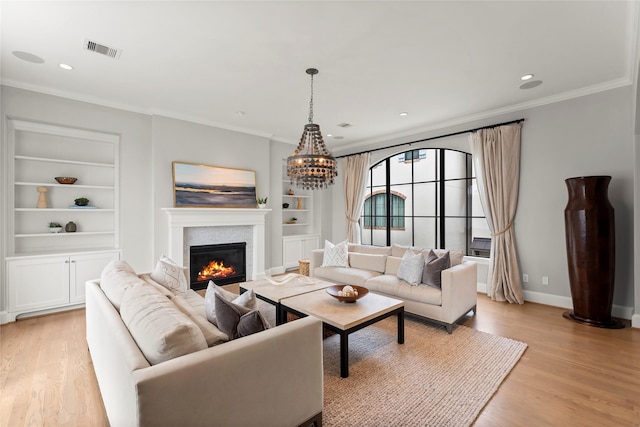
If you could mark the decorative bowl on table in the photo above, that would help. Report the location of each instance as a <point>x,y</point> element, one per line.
<point>66,179</point>
<point>342,295</point>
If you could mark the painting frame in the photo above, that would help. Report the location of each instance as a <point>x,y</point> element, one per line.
<point>206,186</point>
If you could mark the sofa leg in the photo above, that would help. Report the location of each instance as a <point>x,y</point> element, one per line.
<point>449,329</point>
<point>315,421</point>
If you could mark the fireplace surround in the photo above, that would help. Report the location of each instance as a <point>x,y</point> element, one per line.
<point>217,222</point>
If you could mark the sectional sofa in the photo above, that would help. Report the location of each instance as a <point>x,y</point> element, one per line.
<point>197,377</point>
<point>376,267</point>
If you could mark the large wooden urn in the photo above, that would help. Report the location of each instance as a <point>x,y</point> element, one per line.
<point>590,235</point>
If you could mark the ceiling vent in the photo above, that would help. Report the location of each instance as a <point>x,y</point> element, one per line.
<point>344,125</point>
<point>96,47</point>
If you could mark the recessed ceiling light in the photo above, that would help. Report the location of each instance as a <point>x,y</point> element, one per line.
<point>404,113</point>
<point>329,135</point>
<point>29,57</point>
<point>531,84</point>
<point>240,113</point>
<point>526,77</point>
<point>66,66</point>
<point>338,137</point>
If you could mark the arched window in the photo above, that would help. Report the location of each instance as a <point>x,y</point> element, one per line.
<point>424,197</point>
<point>375,211</point>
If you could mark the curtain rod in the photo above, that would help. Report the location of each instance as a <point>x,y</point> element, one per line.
<point>432,138</point>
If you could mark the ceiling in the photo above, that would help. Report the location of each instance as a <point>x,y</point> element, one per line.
<point>241,65</point>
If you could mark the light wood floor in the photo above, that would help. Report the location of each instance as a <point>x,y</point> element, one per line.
<point>570,375</point>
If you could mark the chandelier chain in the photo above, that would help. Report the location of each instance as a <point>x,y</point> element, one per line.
<point>311,102</point>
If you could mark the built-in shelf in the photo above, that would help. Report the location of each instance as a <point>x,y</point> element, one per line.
<point>296,224</point>
<point>61,210</point>
<point>77,233</point>
<point>296,196</point>
<point>66,161</point>
<point>50,184</point>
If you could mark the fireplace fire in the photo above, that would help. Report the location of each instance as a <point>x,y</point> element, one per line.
<point>221,263</point>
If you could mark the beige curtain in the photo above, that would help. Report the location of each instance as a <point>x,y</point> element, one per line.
<point>496,157</point>
<point>355,170</point>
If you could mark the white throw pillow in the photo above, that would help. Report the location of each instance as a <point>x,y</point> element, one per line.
<point>335,255</point>
<point>246,300</point>
<point>170,275</point>
<point>411,266</point>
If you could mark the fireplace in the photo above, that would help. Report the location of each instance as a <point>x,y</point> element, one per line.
<point>221,263</point>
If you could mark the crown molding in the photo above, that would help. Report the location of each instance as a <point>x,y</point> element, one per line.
<point>516,108</point>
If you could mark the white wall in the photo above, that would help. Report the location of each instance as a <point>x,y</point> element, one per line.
<point>181,141</point>
<point>135,146</point>
<point>591,135</point>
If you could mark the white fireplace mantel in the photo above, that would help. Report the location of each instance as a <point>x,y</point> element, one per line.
<point>181,218</point>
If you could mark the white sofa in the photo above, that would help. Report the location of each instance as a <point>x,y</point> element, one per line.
<point>375,268</point>
<point>270,378</point>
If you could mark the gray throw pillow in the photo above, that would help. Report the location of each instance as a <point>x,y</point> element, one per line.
<point>237,321</point>
<point>247,300</point>
<point>433,266</point>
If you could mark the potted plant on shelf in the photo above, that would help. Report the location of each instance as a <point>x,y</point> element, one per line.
<point>55,227</point>
<point>262,202</point>
<point>82,201</point>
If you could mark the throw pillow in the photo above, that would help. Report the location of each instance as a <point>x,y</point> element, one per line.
<point>116,277</point>
<point>335,255</point>
<point>411,266</point>
<point>246,300</point>
<point>237,321</point>
<point>170,275</point>
<point>433,267</point>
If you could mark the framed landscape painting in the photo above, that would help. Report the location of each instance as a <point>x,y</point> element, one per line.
<point>203,186</point>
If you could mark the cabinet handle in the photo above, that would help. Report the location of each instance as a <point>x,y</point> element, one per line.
<point>66,262</point>
<point>73,261</point>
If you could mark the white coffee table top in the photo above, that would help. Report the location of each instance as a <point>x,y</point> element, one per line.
<point>277,292</point>
<point>339,314</point>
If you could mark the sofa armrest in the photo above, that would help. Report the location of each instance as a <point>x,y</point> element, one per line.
<point>316,260</point>
<point>459,290</point>
<point>272,378</point>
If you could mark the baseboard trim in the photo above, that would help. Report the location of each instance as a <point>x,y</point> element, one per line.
<point>276,270</point>
<point>619,311</point>
<point>635,321</point>
<point>4,317</point>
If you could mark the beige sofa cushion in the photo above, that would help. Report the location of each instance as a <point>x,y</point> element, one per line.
<point>391,285</point>
<point>212,335</point>
<point>116,277</point>
<point>368,261</point>
<point>369,249</point>
<point>159,328</point>
<point>349,276</point>
<point>393,263</point>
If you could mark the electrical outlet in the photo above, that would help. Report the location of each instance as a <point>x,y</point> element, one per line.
<point>525,278</point>
<point>545,280</point>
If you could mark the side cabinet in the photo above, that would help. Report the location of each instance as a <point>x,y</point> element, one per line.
<point>295,248</point>
<point>38,283</point>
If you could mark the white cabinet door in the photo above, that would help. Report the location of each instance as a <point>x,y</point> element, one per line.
<point>86,267</point>
<point>38,283</point>
<point>296,248</point>
<point>291,249</point>
<point>308,244</point>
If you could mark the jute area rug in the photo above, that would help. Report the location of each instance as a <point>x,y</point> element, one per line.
<point>433,379</point>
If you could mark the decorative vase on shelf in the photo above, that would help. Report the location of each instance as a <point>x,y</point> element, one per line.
<point>70,227</point>
<point>299,203</point>
<point>262,205</point>
<point>290,192</point>
<point>590,237</point>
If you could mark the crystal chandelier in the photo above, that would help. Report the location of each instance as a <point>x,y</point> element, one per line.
<point>311,166</point>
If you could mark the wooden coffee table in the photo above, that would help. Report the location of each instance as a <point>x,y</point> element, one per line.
<point>274,294</point>
<point>345,318</point>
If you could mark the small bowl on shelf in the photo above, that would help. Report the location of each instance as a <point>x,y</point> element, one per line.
<point>335,290</point>
<point>66,179</point>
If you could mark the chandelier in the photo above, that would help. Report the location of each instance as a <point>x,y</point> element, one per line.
<point>311,166</point>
